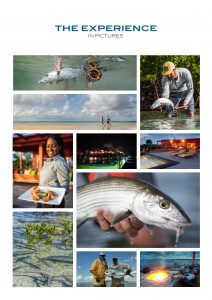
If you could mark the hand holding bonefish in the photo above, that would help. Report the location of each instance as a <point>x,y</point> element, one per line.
<point>131,226</point>
<point>136,231</point>
<point>125,197</point>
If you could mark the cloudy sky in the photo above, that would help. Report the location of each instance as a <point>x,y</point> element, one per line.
<point>85,259</point>
<point>74,107</point>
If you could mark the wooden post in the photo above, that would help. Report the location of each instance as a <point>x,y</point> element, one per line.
<point>40,157</point>
<point>21,161</point>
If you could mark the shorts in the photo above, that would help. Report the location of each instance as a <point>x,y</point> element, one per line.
<point>178,98</point>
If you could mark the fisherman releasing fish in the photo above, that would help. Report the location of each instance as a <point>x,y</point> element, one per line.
<point>65,73</point>
<point>125,197</point>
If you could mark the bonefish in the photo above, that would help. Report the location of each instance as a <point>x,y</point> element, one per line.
<point>65,73</point>
<point>127,196</point>
<point>162,101</point>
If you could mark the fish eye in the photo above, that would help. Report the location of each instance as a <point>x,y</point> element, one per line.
<point>164,204</point>
<point>47,75</point>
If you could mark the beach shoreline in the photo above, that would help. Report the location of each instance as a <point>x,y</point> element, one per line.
<point>72,126</point>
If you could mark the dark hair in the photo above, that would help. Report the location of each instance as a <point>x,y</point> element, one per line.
<point>59,140</point>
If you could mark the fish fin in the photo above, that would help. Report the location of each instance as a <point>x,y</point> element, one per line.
<point>120,216</point>
<point>150,228</point>
<point>79,224</point>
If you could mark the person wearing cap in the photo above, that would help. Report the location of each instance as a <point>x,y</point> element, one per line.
<point>177,85</point>
<point>117,272</point>
<point>98,268</point>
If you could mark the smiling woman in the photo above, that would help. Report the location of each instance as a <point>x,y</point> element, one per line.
<point>49,165</point>
<point>55,171</point>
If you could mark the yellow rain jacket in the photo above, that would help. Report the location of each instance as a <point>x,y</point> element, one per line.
<point>98,269</point>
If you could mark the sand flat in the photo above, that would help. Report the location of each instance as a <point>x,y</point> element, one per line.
<point>72,126</point>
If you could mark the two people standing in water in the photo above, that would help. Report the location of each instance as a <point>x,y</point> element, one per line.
<point>107,124</point>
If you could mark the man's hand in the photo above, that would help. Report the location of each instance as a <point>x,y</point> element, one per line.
<point>135,231</point>
<point>185,106</point>
<point>130,226</point>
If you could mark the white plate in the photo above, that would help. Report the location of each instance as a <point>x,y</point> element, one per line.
<point>27,196</point>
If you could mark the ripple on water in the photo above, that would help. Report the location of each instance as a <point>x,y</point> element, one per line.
<point>155,120</point>
<point>31,266</point>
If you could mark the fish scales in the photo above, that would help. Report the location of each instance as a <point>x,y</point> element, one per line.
<point>162,101</point>
<point>106,200</point>
<point>106,194</point>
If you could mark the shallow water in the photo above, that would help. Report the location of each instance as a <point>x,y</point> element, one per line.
<point>116,74</point>
<point>37,265</point>
<point>155,121</point>
<point>108,284</point>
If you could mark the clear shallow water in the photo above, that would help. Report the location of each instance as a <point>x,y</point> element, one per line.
<point>36,265</point>
<point>108,284</point>
<point>155,121</point>
<point>116,74</point>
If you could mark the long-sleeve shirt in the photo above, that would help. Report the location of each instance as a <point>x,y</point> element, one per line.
<point>98,268</point>
<point>183,83</point>
<point>55,173</point>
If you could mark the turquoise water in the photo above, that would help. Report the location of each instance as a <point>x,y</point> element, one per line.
<point>155,121</point>
<point>118,73</point>
<point>168,263</point>
<point>108,284</point>
<point>36,265</point>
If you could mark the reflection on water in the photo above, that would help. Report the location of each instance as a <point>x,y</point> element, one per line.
<point>108,284</point>
<point>118,73</point>
<point>155,121</point>
<point>36,265</point>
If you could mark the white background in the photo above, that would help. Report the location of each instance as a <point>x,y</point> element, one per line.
<point>27,27</point>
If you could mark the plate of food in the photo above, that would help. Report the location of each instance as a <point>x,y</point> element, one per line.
<point>44,194</point>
